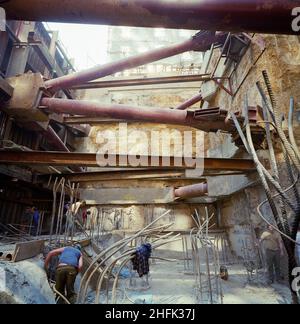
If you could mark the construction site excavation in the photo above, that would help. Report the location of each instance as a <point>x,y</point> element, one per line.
<point>150,154</point>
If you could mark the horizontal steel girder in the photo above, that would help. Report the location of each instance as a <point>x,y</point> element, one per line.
<point>143,82</point>
<point>124,175</point>
<point>90,160</point>
<point>140,174</point>
<point>190,102</point>
<point>262,16</point>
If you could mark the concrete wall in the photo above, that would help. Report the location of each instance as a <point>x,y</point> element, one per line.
<point>132,218</point>
<point>126,220</point>
<point>241,221</point>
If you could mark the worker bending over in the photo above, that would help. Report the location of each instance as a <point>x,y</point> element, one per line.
<point>69,265</point>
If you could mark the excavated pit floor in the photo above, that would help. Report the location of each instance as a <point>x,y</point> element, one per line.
<point>26,283</point>
<point>171,284</point>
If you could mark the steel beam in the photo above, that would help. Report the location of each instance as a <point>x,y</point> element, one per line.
<point>262,16</point>
<point>93,109</point>
<point>90,160</point>
<point>193,191</point>
<point>207,120</point>
<point>190,102</point>
<point>77,120</point>
<point>200,42</point>
<point>53,138</point>
<point>56,142</point>
<point>129,175</point>
<point>43,53</point>
<point>123,175</point>
<point>142,82</point>
<point>18,60</point>
<point>16,172</point>
<point>96,121</point>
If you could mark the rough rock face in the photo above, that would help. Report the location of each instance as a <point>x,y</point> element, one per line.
<point>24,283</point>
<point>6,299</point>
<point>281,60</point>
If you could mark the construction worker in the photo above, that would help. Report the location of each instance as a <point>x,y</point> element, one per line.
<point>35,221</point>
<point>274,250</point>
<point>69,265</point>
<point>79,212</point>
<point>75,215</point>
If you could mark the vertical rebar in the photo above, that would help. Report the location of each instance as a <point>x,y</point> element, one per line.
<point>53,210</point>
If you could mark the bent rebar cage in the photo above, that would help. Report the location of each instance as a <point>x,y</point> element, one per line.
<point>207,274</point>
<point>206,263</point>
<point>108,264</point>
